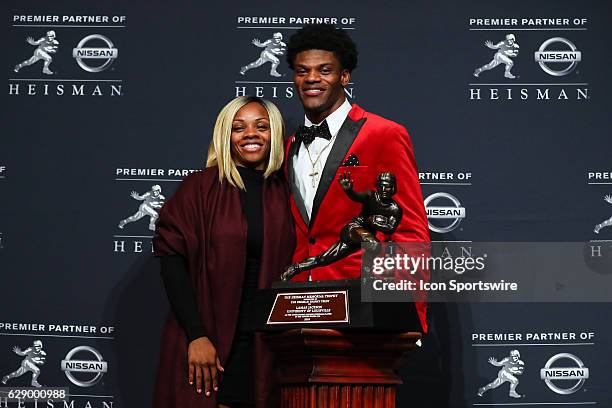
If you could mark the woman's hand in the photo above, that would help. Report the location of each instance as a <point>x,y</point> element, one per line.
<point>203,365</point>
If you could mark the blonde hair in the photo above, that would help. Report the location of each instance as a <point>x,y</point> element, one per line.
<point>220,149</point>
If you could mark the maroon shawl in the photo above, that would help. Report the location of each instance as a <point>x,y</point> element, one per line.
<point>204,222</point>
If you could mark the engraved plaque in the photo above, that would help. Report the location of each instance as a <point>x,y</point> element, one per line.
<point>310,308</point>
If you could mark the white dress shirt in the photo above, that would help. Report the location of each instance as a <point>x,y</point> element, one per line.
<point>318,149</point>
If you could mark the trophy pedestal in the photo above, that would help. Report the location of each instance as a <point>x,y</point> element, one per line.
<point>328,368</point>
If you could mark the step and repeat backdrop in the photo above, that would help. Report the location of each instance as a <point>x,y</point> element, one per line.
<point>108,105</point>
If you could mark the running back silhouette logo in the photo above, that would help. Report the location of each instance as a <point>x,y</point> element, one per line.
<point>511,367</point>
<point>32,358</point>
<point>506,50</point>
<point>606,223</point>
<point>273,48</point>
<point>45,46</point>
<point>152,201</point>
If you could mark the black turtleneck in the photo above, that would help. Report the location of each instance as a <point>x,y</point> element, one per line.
<point>252,207</point>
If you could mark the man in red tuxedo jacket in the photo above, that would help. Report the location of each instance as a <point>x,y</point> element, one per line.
<point>337,137</point>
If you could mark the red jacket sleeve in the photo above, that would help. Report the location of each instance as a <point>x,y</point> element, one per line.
<point>396,156</point>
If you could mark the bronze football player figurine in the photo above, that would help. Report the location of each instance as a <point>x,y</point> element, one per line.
<point>379,212</point>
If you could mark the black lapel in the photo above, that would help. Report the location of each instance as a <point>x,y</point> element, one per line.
<point>346,135</point>
<point>297,196</point>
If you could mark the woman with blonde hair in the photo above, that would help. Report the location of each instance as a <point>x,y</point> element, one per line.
<point>226,232</point>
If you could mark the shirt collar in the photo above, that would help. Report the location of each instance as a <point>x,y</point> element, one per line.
<point>334,119</point>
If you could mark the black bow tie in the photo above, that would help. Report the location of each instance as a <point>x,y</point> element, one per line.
<point>306,134</point>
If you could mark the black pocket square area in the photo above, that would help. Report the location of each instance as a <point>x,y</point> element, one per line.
<point>352,160</point>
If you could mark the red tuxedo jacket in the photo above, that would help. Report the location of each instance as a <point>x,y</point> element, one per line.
<point>380,146</point>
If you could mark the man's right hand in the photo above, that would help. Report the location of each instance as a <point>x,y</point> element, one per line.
<point>203,365</point>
